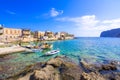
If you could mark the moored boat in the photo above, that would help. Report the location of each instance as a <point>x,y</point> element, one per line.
<point>46,46</point>
<point>52,52</point>
<point>36,50</point>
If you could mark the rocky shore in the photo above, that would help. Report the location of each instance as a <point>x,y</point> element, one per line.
<point>109,71</point>
<point>62,68</point>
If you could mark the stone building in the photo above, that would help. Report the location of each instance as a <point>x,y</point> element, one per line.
<point>64,35</point>
<point>10,34</point>
<point>49,34</point>
<point>26,36</point>
<point>39,35</point>
<point>57,35</point>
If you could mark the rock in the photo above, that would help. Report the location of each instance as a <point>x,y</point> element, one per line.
<point>55,62</point>
<point>61,68</point>
<point>117,77</point>
<point>58,69</point>
<point>112,75</point>
<point>47,73</point>
<point>108,67</point>
<point>92,67</point>
<point>105,71</point>
<point>92,76</point>
<point>1,68</point>
<point>71,73</point>
<point>115,63</point>
<point>27,77</point>
<point>89,67</point>
<point>67,69</point>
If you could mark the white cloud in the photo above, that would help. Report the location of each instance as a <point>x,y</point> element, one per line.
<point>10,12</point>
<point>89,25</point>
<point>83,21</point>
<point>112,21</point>
<point>54,12</point>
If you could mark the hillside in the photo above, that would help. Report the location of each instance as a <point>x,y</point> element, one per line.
<point>111,33</point>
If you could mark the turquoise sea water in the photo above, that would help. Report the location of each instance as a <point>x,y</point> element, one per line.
<point>94,50</point>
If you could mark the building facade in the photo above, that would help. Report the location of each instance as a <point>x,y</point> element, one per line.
<point>39,34</point>
<point>26,36</point>
<point>49,35</point>
<point>10,34</point>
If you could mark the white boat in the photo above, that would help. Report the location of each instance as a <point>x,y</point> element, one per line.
<point>36,50</point>
<point>52,52</point>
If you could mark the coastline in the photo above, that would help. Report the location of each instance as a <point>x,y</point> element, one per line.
<point>62,68</point>
<point>14,49</point>
<point>11,50</point>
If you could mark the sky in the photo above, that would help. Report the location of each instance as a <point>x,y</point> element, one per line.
<point>83,18</point>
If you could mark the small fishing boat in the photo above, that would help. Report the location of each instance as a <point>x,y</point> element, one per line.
<point>36,50</point>
<point>46,46</point>
<point>52,52</point>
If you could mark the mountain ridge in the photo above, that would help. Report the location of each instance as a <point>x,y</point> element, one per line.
<point>111,33</point>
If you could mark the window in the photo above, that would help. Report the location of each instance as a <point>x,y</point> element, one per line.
<point>15,32</point>
<point>10,36</point>
<point>6,31</point>
<point>10,31</point>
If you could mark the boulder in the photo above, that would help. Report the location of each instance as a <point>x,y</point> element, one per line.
<point>61,68</point>
<point>89,67</point>
<point>101,67</point>
<point>71,73</point>
<point>92,76</point>
<point>117,63</point>
<point>1,68</point>
<point>108,67</point>
<point>47,73</point>
<point>112,75</point>
<point>58,69</point>
<point>56,62</point>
